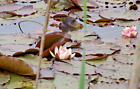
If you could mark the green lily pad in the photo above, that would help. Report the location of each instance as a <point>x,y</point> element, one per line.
<point>31,85</point>
<point>33,60</point>
<point>4,78</point>
<point>14,78</point>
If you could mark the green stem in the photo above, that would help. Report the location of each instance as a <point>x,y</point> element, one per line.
<point>82,76</point>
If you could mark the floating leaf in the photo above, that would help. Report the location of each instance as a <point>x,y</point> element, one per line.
<point>16,65</point>
<point>125,59</point>
<point>64,81</point>
<point>26,10</point>
<point>52,38</point>
<point>17,10</point>
<point>10,49</point>
<point>59,14</point>
<point>28,51</point>
<point>121,14</point>
<point>96,47</point>
<point>113,85</point>
<point>17,39</point>
<point>33,60</point>
<point>27,1</point>
<point>76,35</point>
<point>14,78</point>
<point>72,67</point>
<point>4,78</point>
<point>47,73</point>
<point>92,57</point>
<point>115,71</point>
<point>97,63</point>
<point>31,85</point>
<point>90,3</point>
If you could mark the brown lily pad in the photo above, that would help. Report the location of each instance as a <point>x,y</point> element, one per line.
<point>52,38</point>
<point>16,65</point>
<point>28,51</point>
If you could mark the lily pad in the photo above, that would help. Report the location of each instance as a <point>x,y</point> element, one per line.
<point>76,35</point>
<point>109,86</point>
<point>64,81</point>
<point>10,49</point>
<point>27,1</point>
<point>16,65</point>
<point>125,59</point>
<point>93,48</point>
<point>97,63</point>
<point>52,38</point>
<point>115,71</point>
<point>121,14</point>
<point>4,78</point>
<point>31,85</point>
<point>33,60</point>
<point>72,67</point>
<point>17,39</point>
<point>14,78</point>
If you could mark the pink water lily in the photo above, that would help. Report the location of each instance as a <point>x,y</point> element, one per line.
<point>130,31</point>
<point>62,53</point>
